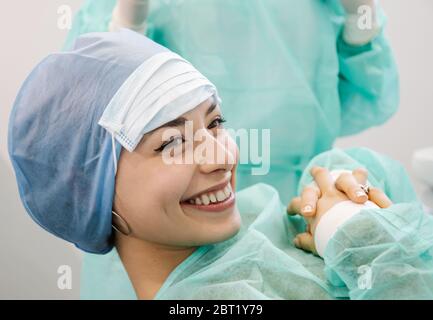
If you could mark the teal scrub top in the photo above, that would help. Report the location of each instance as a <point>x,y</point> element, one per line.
<point>376,254</point>
<point>280,65</point>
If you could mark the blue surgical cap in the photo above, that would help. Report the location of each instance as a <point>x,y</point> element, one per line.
<point>63,160</point>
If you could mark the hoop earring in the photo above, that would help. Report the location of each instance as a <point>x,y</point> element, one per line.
<point>121,224</point>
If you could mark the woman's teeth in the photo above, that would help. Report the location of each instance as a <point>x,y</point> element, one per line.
<point>212,197</point>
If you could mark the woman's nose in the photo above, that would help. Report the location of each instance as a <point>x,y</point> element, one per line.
<point>217,155</point>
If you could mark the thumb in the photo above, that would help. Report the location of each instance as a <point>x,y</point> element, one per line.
<point>305,241</point>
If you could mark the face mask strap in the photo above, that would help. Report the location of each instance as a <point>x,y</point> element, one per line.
<point>113,143</point>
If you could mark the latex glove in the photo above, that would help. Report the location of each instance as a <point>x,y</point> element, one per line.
<point>361,24</point>
<point>130,14</point>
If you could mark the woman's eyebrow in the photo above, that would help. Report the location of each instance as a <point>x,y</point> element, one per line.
<point>181,120</point>
<point>212,107</point>
<point>175,123</point>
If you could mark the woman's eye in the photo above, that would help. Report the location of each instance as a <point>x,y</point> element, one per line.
<point>216,123</point>
<point>172,142</point>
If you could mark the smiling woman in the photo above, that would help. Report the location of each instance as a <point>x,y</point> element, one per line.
<point>165,215</point>
<point>177,227</point>
<point>136,90</point>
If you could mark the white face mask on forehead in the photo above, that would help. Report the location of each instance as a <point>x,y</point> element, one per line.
<point>161,89</point>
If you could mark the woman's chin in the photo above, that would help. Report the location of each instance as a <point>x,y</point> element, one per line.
<point>219,233</point>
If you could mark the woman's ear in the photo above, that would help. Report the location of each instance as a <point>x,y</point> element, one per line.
<point>119,224</point>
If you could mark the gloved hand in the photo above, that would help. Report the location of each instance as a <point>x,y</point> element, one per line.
<point>130,14</point>
<point>361,24</point>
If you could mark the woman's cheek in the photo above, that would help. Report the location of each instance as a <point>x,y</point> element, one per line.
<point>173,183</point>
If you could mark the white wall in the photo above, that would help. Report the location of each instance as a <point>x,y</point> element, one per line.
<point>29,257</point>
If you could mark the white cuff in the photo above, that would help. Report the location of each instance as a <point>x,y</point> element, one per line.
<point>127,19</point>
<point>331,221</point>
<point>356,34</point>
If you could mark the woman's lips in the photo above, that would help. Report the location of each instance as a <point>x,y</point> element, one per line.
<point>220,205</point>
<point>213,207</point>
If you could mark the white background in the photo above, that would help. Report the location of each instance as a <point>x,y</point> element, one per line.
<point>29,256</point>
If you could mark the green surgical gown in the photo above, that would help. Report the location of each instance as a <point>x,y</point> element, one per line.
<point>278,64</point>
<point>376,254</point>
